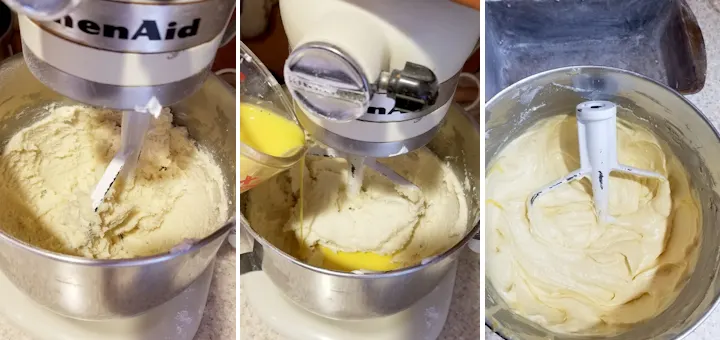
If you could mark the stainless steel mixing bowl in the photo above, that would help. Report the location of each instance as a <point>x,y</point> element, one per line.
<point>101,289</point>
<point>349,296</point>
<point>675,120</point>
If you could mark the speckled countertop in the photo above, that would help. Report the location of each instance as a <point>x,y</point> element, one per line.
<point>218,322</point>
<point>708,101</point>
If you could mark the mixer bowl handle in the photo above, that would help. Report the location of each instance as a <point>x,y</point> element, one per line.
<point>252,260</point>
<point>474,243</point>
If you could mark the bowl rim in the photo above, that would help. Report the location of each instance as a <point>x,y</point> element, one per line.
<point>129,262</point>
<point>350,275</point>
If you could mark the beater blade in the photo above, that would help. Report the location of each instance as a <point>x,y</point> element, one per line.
<point>597,139</point>
<point>357,166</point>
<point>357,173</point>
<point>134,126</point>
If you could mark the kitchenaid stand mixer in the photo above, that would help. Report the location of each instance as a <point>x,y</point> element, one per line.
<point>370,79</point>
<point>136,57</point>
<point>107,54</point>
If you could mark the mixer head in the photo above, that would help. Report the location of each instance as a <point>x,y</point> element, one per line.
<point>122,54</point>
<point>332,91</point>
<point>597,138</point>
<point>368,81</point>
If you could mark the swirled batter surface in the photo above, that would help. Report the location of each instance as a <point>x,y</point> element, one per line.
<point>384,218</point>
<point>561,268</point>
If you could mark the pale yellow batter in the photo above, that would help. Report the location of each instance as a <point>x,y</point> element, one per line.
<point>384,218</point>
<point>48,170</point>
<point>565,271</point>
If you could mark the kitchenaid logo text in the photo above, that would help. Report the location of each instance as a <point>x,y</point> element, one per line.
<point>148,29</point>
<point>382,111</point>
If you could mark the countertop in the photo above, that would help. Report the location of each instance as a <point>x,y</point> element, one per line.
<point>707,101</point>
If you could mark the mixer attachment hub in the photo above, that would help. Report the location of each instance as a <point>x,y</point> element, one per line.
<point>414,88</point>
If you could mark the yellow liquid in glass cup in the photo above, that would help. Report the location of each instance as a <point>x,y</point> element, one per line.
<point>276,144</point>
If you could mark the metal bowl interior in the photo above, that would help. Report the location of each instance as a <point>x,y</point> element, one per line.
<point>457,142</point>
<point>209,116</point>
<point>669,115</point>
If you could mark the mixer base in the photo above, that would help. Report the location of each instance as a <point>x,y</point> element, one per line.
<point>177,319</point>
<point>422,321</point>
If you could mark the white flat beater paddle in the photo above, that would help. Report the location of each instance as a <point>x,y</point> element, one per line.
<point>134,126</point>
<point>597,138</point>
<point>357,166</point>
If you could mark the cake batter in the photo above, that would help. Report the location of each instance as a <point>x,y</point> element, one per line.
<point>49,169</point>
<point>385,219</point>
<point>556,265</point>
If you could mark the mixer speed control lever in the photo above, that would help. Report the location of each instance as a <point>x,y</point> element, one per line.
<point>43,10</point>
<point>414,88</point>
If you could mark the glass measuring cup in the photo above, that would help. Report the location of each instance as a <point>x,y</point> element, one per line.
<point>271,140</point>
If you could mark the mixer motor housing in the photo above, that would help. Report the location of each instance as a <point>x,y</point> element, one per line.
<point>122,54</point>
